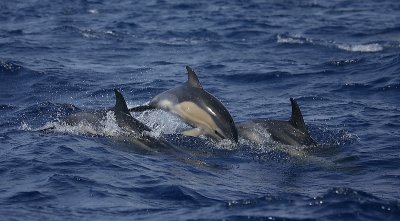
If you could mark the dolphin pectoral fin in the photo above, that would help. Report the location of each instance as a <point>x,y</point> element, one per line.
<point>195,132</point>
<point>141,108</point>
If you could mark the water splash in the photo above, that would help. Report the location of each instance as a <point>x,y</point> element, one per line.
<point>161,122</point>
<point>107,127</point>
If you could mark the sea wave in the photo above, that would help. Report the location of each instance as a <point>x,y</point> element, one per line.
<point>336,203</point>
<point>28,196</point>
<point>10,67</point>
<point>374,47</point>
<point>255,77</point>
<point>298,39</point>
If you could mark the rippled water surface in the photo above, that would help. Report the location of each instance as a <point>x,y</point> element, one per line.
<point>339,59</point>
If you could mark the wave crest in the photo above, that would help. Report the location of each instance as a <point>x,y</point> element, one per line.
<point>297,39</point>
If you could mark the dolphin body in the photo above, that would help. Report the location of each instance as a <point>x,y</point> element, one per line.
<point>293,132</point>
<point>132,130</point>
<point>196,107</point>
<point>290,137</point>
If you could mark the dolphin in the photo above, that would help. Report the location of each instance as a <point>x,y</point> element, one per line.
<point>292,132</point>
<point>131,129</point>
<point>198,108</point>
<point>290,137</point>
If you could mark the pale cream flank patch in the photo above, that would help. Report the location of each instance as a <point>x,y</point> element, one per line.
<point>195,132</point>
<point>190,112</point>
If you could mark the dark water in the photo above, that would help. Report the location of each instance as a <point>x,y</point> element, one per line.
<point>340,59</point>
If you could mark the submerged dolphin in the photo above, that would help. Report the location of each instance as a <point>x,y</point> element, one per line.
<point>292,132</point>
<point>197,108</point>
<point>132,130</point>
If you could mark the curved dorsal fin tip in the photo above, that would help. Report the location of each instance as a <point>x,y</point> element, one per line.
<point>193,80</point>
<point>296,118</point>
<point>120,103</point>
<point>118,95</point>
<point>294,104</point>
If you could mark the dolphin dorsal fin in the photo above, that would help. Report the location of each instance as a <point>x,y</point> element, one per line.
<point>192,78</point>
<point>120,103</point>
<point>297,118</point>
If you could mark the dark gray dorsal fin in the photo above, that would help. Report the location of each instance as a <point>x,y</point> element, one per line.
<point>297,118</point>
<point>192,78</point>
<point>120,104</point>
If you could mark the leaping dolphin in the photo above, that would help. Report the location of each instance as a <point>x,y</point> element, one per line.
<point>196,107</point>
<point>293,132</point>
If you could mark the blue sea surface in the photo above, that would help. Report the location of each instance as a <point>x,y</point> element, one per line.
<point>340,59</point>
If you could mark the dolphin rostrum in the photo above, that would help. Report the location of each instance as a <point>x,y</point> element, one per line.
<point>293,132</point>
<point>196,107</point>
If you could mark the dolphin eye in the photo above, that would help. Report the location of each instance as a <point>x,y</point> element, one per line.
<point>218,134</point>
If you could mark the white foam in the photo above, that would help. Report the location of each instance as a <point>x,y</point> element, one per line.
<point>25,126</point>
<point>258,138</point>
<point>375,47</point>
<point>93,11</point>
<point>83,128</point>
<point>292,40</point>
<point>224,144</point>
<point>110,126</point>
<point>106,127</point>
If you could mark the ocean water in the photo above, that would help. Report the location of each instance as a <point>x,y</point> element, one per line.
<point>339,59</point>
